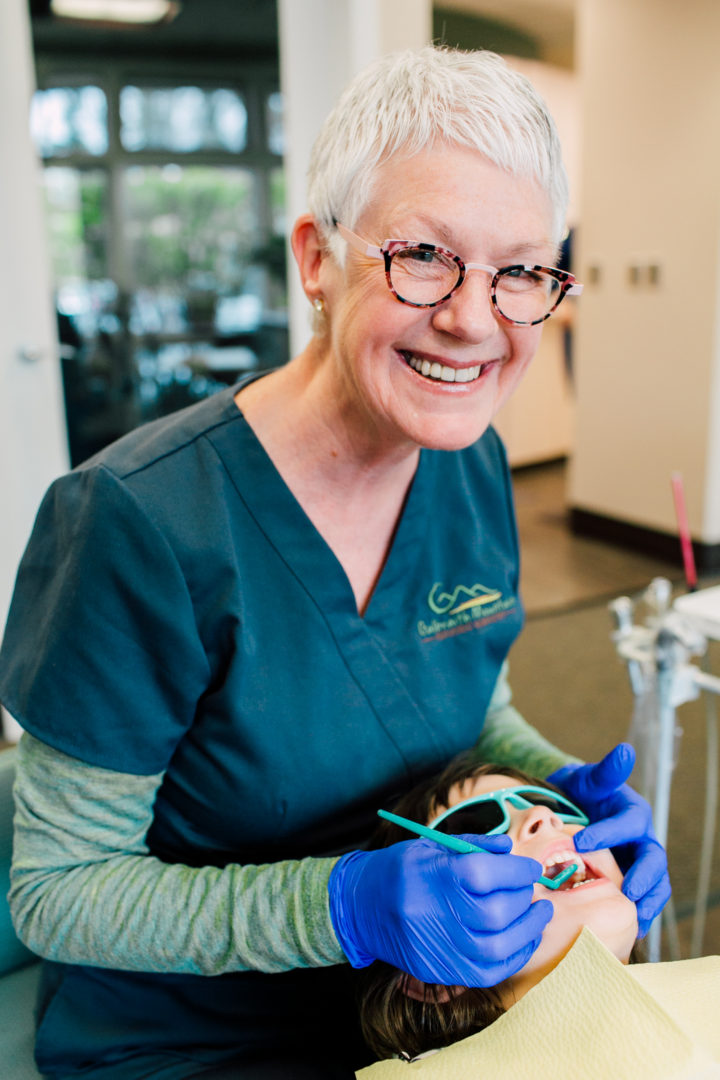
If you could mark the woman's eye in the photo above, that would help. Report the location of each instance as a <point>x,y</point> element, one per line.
<point>520,278</point>
<point>519,273</point>
<point>417,255</point>
<point>420,261</point>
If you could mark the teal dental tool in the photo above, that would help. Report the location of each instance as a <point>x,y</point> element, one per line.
<point>464,847</point>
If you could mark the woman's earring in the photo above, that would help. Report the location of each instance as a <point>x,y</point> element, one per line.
<point>318,303</point>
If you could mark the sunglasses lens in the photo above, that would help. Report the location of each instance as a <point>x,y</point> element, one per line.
<point>476,818</point>
<point>556,805</point>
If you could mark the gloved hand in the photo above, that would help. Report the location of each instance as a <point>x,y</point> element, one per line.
<point>620,818</point>
<point>459,920</point>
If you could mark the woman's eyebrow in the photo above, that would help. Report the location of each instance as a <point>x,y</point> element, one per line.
<point>527,250</point>
<point>427,224</point>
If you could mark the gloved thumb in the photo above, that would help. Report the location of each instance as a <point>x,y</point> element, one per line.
<point>608,774</point>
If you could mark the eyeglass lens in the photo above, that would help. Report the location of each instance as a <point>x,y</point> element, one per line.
<point>423,276</point>
<point>482,817</point>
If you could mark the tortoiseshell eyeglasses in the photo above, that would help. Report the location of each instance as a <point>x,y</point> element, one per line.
<point>424,275</point>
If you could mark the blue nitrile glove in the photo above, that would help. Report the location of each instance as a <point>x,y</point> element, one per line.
<point>620,818</point>
<point>459,920</point>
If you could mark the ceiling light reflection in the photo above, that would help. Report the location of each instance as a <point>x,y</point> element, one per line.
<point>116,12</point>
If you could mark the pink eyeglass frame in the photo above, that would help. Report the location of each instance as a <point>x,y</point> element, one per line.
<point>569,285</point>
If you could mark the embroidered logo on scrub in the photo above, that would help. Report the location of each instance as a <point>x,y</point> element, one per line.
<point>464,608</point>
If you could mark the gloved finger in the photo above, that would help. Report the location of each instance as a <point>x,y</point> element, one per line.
<point>480,874</point>
<point>648,869</point>
<point>606,775</point>
<point>560,775</point>
<point>628,825</point>
<point>493,912</point>
<point>461,955</point>
<point>652,904</point>
<point>495,948</point>
<point>500,844</point>
<point>485,959</point>
<point>493,974</point>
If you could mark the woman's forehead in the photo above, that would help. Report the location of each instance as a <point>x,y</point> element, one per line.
<point>453,192</point>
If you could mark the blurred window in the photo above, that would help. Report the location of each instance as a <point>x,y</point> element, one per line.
<point>182,119</point>
<point>166,217</point>
<point>278,211</point>
<point>191,233</point>
<point>275,123</point>
<point>77,205</point>
<point>68,120</point>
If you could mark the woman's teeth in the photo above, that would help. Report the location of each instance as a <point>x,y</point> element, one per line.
<point>441,372</point>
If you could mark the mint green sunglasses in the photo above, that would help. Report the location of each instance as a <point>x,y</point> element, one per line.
<point>488,814</point>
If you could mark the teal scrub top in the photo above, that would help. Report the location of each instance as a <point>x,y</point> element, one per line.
<point>177,611</point>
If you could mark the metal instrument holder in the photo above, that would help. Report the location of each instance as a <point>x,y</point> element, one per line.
<point>658,660</point>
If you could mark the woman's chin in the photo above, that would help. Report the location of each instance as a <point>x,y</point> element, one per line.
<point>442,416</point>
<point>447,430</point>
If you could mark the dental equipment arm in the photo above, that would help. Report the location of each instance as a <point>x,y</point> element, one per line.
<point>620,818</point>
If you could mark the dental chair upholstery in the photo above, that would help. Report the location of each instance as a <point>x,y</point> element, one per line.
<point>19,968</point>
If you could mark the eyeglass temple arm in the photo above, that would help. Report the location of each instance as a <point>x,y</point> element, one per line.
<point>358,243</point>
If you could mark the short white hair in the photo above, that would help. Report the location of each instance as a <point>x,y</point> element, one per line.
<point>409,101</point>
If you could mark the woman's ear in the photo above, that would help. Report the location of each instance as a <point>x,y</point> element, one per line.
<point>309,251</point>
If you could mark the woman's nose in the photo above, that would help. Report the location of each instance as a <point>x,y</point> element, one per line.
<point>469,314</point>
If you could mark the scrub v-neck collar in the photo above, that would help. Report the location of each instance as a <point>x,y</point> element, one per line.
<point>294,536</point>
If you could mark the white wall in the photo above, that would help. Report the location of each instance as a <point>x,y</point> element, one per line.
<point>32,432</point>
<point>560,89</point>
<point>538,422</point>
<point>323,44</point>
<point>648,356</point>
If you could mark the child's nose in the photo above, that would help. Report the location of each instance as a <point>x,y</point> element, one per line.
<point>537,819</point>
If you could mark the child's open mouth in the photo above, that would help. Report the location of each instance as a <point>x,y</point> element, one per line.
<point>560,860</point>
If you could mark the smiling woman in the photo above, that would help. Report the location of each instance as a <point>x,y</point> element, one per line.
<point>242,628</point>
<point>430,373</point>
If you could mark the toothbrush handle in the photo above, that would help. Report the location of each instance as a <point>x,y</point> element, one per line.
<point>452,842</point>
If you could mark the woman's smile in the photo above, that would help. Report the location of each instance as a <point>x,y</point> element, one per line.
<point>451,376</point>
